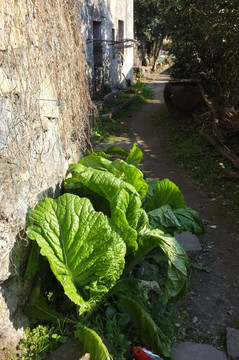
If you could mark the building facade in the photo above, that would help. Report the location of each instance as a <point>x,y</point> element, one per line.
<point>108,33</point>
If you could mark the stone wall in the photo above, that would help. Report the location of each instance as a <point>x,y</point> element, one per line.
<point>44,112</point>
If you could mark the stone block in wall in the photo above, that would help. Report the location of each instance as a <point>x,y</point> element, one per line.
<point>8,85</point>
<point>2,40</point>
<point>13,287</point>
<point>48,102</point>
<point>16,15</point>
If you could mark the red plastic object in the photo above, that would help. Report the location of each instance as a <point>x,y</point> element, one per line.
<point>142,353</point>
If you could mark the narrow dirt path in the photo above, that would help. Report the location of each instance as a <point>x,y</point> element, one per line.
<point>213,299</point>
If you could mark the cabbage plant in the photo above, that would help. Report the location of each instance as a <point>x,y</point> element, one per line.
<point>107,221</point>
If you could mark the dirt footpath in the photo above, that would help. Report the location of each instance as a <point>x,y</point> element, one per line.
<point>213,299</point>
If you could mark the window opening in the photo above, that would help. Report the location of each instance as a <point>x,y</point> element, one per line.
<point>121,37</point>
<point>97,44</point>
<point>113,43</point>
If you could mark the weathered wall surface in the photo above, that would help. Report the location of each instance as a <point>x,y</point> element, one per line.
<point>44,109</point>
<point>108,13</point>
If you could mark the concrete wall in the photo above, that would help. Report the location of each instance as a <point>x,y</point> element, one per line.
<point>44,108</point>
<point>108,13</point>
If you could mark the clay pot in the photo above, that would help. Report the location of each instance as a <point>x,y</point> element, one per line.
<point>182,97</point>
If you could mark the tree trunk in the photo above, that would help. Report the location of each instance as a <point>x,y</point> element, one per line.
<point>158,45</point>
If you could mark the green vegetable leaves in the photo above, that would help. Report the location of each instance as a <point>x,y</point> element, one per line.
<point>135,155</point>
<point>125,203</point>
<point>161,193</point>
<point>95,234</point>
<point>176,221</point>
<point>167,209</point>
<point>148,331</point>
<point>176,282</point>
<point>92,343</point>
<point>189,221</point>
<point>85,254</point>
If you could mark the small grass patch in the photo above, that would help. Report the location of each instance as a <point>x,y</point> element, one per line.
<point>42,340</point>
<point>200,160</point>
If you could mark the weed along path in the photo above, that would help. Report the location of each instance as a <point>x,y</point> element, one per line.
<point>212,302</point>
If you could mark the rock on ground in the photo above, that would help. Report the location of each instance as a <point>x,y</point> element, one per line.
<point>194,351</point>
<point>232,343</point>
<point>72,350</point>
<point>189,241</point>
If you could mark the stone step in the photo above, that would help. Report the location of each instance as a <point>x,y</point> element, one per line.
<point>72,350</point>
<point>194,351</point>
<point>233,343</point>
<point>188,241</point>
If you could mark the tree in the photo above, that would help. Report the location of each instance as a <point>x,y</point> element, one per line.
<point>150,27</point>
<point>204,38</point>
<point>203,41</point>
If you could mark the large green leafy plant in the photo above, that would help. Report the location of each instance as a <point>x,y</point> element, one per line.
<point>107,221</point>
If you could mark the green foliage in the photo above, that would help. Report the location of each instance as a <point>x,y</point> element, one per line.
<point>123,198</point>
<point>34,260</point>
<point>149,21</point>
<point>203,34</point>
<point>92,252</point>
<point>65,229</point>
<point>42,340</point>
<point>107,129</point>
<point>203,41</point>
<point>116,150</point>
<point>149,332</point>
<point>92,343</point>
<point>37,307</point>
<point>135,155</point>
<point>163,192</point>
<point>167,209</point>
<point>176,281</point>
<point>189,220</point>
<point>200,159</point>
<point>175,221</point>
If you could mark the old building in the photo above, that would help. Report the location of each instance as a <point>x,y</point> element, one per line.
<point>108,32</point>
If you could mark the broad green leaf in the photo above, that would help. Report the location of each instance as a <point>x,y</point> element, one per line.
<point>124,200</point>
<point>34,260</point>
<point>125,210</point>
<point>118,168</point>
<point>100,163</point>
<point>116,150</point>
<point>176,221</point>
<point>99,153</point>
<point>92,343</point>
<point>169,194</point>
<point>127,286</point>
<point>164,218</point>
<point>147,241</point>
<point>189,221</point>
<point>37,308</point>
<point>148,331</point>
<point>85,253</point>
<point>132,175</point>
<point>75,168</point>
<point>176,283</point>
<point>164,193</point>
<point>143,222</point>
<point>135,156</point>
<point>152,185</point>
